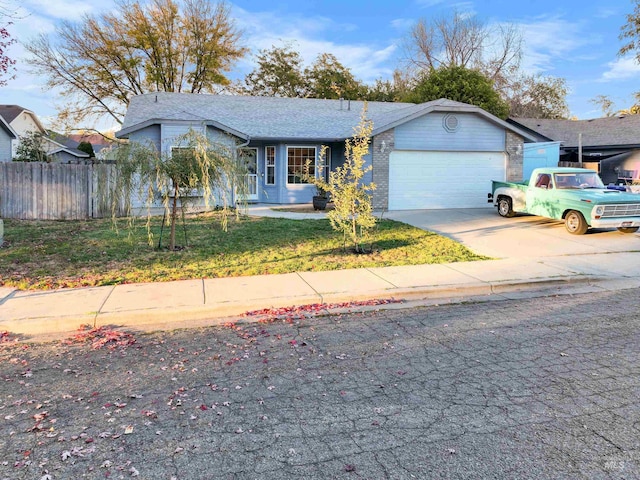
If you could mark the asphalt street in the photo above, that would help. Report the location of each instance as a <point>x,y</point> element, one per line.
<point>544,388</point>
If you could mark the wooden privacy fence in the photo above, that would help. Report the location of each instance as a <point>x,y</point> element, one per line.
<point>53,191</point>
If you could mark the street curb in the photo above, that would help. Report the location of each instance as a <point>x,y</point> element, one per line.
<point>47,328</point>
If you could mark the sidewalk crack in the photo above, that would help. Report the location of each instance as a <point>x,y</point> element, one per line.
<point>8,297</point>
<point>315,291</point>
<point>381,278</point>
<point>95,318</point>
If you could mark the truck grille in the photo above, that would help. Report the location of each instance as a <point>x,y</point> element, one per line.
<point>628,210</point>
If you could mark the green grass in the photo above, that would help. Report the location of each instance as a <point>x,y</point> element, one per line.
<point>52,254</point>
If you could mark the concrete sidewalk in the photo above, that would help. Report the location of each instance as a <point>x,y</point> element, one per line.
<point>211,301</point>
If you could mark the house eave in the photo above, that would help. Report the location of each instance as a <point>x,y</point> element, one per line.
<point>70,152</point>
<point>586,148</point>
<point>298,139</point>
<point>12,133</point>
<point>125,132</point>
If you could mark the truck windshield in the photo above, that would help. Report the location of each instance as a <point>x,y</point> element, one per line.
<point>578,180</point>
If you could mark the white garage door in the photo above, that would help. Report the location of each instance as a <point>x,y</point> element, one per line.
<point>442,179</point>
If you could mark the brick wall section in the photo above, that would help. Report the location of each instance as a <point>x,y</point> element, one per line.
<point>380,162</point>
<point>515,147</point>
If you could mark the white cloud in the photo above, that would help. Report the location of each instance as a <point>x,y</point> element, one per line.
<point>403,24</point>
<point>621,69</point>
<point>60,9</point>
<point>550,39</point>
<point>428,3</point>
<point>311,36</point>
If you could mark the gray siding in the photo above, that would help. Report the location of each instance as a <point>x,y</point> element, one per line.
<point>171,132</point>
<point>147,136</point>
<point>5,146</point>
<point>218,136</point>
<point>473,134</point>
<point>66,157</point>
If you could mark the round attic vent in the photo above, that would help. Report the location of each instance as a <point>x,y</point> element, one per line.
<point>450,123</point>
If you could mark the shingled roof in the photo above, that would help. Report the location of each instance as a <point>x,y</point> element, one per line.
<point>278,118</point>
<point>621,130</point>
<point>10,112</point>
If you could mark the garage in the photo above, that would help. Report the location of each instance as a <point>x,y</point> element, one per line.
<point>432,180</point>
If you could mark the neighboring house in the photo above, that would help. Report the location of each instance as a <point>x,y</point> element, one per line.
<point>65,149</point>
<point>24,121</point>
<point>7,136</point>
<point>439,154</point>
<point>610,145</point>
<point>98,142</point>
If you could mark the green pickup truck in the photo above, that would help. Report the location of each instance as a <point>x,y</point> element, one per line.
<point>575,195</point>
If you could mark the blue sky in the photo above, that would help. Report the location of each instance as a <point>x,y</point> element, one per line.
<point>577,40</point>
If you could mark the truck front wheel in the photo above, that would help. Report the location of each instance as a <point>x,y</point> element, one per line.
<point>575,223</point>
<point>505,207</point>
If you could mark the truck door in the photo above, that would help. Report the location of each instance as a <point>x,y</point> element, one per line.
<point>542,198</point>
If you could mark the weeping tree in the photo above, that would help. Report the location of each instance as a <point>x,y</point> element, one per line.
<point>195,165</point>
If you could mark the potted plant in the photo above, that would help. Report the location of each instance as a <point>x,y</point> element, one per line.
<point>321,198</point>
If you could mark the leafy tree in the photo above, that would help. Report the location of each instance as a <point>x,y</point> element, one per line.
<point>7,64</point>
<point>380,91</point>
<point>87,148</point>
<point>462,85</point>
<point>633,109</point>
<point>278,74</point>
<point>353,213</point>
<point>101,62</point>
<point>328,78</point>
<point>535,96</point>
<point>195,163</point>
<point>630,33</point>
<point>605,103</point>
<point>31,148</point>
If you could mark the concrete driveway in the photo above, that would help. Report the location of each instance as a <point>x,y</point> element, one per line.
<point>524,236</point>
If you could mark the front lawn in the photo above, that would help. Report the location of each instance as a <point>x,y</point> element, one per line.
<point>56,254</point>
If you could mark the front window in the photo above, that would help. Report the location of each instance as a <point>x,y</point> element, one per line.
<point>578,180</point>
<point>270,165</point>
<point>300,160</point>
<point>183,153</point>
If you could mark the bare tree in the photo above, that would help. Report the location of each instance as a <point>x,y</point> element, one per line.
<point>537,96</point>
<point>464,41</point>
<point>100,63</point>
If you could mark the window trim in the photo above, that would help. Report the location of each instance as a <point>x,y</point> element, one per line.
<point>315,162</point>
<point>267,166</point>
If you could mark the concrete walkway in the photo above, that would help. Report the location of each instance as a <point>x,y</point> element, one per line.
<point>211,301</point>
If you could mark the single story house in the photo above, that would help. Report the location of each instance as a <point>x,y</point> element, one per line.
<point>7,136</point>
<point>438,154</point>
<point>607,145</point>
<point>24,121</point>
